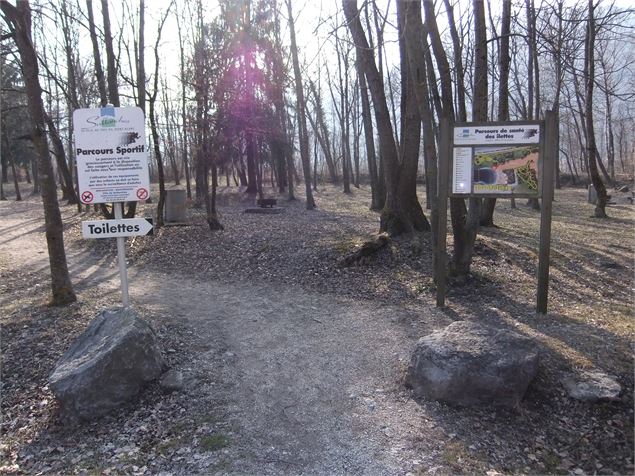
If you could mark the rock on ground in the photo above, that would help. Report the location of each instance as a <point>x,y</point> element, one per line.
<point>470,364</point>
<point>106,366</point>
<point>592,386</point>
<point>172,381</point>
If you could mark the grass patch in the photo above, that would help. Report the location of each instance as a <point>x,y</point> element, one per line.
<point>454,455</point>
<point>213,442</point>
<point>166,446</point>
<point>209,418</point>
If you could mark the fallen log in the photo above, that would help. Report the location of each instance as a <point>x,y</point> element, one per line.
<point>368,248</point>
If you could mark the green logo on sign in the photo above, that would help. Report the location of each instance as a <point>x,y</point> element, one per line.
<point>108,117</point>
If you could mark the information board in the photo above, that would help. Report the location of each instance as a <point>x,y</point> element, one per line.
<point>111,152</point>
<point>496,159</point>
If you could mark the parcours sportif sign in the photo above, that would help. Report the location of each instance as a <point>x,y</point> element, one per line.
<point>111,152</point>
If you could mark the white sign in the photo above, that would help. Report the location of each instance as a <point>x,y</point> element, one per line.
<point>112,159</point>
<point>116,228</point>
<point>462,170</point>
<point>503,134</point>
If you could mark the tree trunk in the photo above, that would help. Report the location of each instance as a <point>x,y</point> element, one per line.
<point>304,135</point>
<point>153,124</point>
<point>19,19</point>
<point>60,158</point>
<point>159,159</point>
<point>410,137</point>
<point>184,148</point>
<point>396,217</point>
<point>141,69</point>
<point>369,139</point>
<point>589,76</point>
<point>487,211</point>
<point>464,247</point>
<point>322,132</point>
<point>458,62</point>
<point>416,49</point>
<point>99,72</point>
<point>8,153</point>
<point>111,74</point>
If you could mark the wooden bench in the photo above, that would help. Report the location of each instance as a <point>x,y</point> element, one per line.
<point>267,202</point>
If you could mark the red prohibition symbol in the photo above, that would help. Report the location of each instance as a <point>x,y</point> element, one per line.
<point>87,197</point>
<point>142,194</point>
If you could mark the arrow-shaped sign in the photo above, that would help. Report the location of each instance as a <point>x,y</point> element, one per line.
<point>117,228</point>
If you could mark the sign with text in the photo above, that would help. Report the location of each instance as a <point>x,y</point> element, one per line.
<point>111,152</point>
<point>504,134</point>
<point>117,228</point>
<point>499,160</point>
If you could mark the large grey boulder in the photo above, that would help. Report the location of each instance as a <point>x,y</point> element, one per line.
<point>107,365</point>
<point>471,364</point>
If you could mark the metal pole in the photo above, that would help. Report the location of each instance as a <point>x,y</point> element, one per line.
<point>121,256</point>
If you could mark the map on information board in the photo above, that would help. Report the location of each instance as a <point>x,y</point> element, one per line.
<point>505,169</point>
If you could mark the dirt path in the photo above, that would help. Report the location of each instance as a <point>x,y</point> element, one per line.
<point>301,382</point>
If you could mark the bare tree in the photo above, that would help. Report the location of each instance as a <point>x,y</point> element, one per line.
<point>152,97</point>
<point>401,212</point>
<point>487,211</point>
<point>304,134</point>
<point>99,72</point>
<point>19,21</point>
<point>589,77</point>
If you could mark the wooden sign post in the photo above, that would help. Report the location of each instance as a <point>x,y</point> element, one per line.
<point>497,160</point>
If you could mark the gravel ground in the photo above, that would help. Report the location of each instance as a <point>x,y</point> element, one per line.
<point>293,364</point>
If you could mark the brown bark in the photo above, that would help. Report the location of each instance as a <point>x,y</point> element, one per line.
<point>184,138</point>
<point>111,74</point>
<point>19,19</point>
<point>416,49</point>
<point>141,69</point>
<point>369,139</point>
<point>589,77</point>
<point>458,62</point>
<point>410,137</point>
<point>304,135</point>
<point>343,113</point>
<point>397,216</point>
<point>487,210</point>
<point>322,132</point>
<point>6,152</point>
<point>99,72</point>
<point>62,165</point>
<point>153,125</point>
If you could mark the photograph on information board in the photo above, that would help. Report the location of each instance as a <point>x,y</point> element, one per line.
<point>512,170</point>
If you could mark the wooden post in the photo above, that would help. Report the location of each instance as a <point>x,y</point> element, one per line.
<point>445,154</point>
<point>548,167</point>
